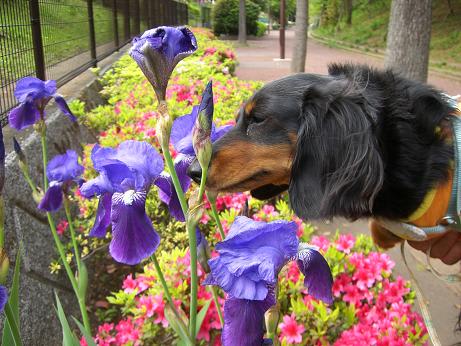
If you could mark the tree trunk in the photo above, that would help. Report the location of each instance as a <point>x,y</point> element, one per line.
<point>348,10</point>
<point>408,38</point>
<point>298,61</point>
<point>242,23</point>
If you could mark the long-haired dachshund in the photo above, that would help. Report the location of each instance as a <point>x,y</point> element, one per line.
<point>356,143</point>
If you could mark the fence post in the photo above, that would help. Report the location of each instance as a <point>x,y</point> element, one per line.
<point>37,42</point>
<point>126,20</point>
<point>92,33</point>
<point>137,17</point>
<point>115,23</point>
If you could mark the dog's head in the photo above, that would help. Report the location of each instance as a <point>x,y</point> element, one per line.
<point>310,134</point>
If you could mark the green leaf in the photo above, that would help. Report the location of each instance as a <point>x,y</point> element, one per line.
<point>201,316</point>
<point>13,301</point>
<point>68,338</point>
<point>178,326</point>
<point>88,338</point>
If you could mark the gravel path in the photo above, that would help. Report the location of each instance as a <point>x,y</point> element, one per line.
<point>256,62</point>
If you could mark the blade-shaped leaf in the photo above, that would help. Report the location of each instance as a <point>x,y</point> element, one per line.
<point>201,316</point>
<point>13,301</point>
<point>88,338</point>
<point>68,338</point>
<point>178,326</point>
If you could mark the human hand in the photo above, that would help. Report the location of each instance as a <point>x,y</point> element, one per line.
<point>447,247</point>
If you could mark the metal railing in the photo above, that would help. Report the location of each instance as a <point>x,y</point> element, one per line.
<point>59,39</point>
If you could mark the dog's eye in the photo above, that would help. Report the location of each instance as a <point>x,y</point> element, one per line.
<point>256,120</point>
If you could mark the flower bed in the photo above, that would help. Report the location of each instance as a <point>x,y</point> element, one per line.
<point>370,305</point>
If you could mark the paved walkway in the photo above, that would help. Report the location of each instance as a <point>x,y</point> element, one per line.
<point>256,63</point>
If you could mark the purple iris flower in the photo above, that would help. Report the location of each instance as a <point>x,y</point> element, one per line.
<point>3,297</point>
<point>33,95</point>
<point>250,259</point>
<point>61,171</point>
<point>159,50</point>
<point>167,192</point>
<point>125,177</point>
<point>181,132</point>
<point>244,321</point>
<point>181,138</point>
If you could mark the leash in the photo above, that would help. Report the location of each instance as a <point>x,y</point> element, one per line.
<point>422,302</point>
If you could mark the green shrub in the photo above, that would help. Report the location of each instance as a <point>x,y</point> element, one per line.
<point>226,17</point>
<point>261,29</point>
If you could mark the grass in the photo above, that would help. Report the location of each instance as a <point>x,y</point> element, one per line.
<point>65,33</point>
<point>369,30</point>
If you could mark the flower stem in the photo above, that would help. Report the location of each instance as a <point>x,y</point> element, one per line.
<point>59,245</point>
<point>193,279</point>
<point>202,185</point>
<point>214,212</point>
<point>169,299</point>
<point>13,325</point>
<point>214,291</point>
<point>72,233</point>
<point>73,281</point>
<point>45,157</point>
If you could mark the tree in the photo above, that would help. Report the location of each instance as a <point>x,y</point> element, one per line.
<point>348,10</point>
<point>242,23</point>
<point>298,61</point>
<point>409,37</point>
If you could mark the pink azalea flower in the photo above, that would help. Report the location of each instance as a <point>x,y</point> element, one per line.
<point>62,226</point>
<point>321,242</point>
<point>345,243</point>
<point>290,330</point>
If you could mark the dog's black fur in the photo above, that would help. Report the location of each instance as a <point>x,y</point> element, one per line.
<point>368,142</point>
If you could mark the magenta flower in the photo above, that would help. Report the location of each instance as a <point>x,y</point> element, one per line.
<point>61,171</point>
<point>125,177</point>
<point>290,330</point>
<point>159,50</point>
<point>33,95</point>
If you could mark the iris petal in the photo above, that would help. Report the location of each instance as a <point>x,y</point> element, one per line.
<point>24,115</point>
<point>102,220</point>
<point>244,321</point>
<point>159,50</point>
<point>64,167</point>
<point>252,255</point>
<point>96,186</point>
<point>53,197</point>
<point>167,192</point>
<point>181,132</point>
<point>34,88</point>
<point>3,297</point>
<point>62,105</point>
<point>318,279</point>
<point>133,237</point>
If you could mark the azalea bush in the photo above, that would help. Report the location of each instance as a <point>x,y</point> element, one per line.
<point>370,305</point>
<point>216,269</point>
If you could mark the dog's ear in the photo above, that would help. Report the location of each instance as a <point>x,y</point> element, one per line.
<point>337,169</point>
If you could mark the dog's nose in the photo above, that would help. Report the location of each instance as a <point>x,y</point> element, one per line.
<point>195,171</point>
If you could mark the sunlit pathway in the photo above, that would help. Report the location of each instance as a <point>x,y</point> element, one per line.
<point>256,62</point>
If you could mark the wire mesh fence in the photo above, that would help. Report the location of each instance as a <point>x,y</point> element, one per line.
<point>59,39</point>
